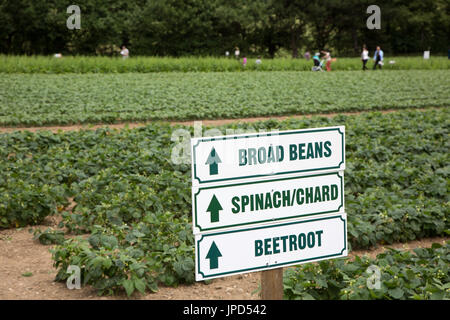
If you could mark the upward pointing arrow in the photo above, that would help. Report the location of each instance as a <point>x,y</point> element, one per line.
<point>214,208</point>
<point>213,160</point>
<point>213,256</point>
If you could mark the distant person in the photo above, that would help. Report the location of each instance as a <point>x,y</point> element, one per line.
<point>237,53</point>
<point>316,59</point>
<point>365,57</point>
<point>327,57</point>
<point>244,61</point>
<point>258,61</point>
<point>317,63</point>
<point>378,57</point>
<point>125,53</point>
<point>307,55</point>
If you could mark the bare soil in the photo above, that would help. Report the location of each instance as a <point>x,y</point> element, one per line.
<point>27,272</point>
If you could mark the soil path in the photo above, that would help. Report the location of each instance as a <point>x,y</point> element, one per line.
<point>26,272</point>
<point>218,122</point>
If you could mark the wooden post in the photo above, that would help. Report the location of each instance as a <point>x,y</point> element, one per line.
<point>272,284</point>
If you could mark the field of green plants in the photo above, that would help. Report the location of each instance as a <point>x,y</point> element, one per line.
<point>43,64</point>
<point>421,274</point>
<point>135,205</point>
<point>41,99</point>
<point>125,207</point>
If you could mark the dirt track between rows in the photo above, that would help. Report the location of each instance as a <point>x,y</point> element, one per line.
<point>218,122</point>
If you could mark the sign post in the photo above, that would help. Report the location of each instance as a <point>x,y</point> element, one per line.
<point>272,284</point>
<point>264,201</point>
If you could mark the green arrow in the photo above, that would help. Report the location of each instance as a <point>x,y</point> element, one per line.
<point>213,256</point>
<point>213,160</point>
<point>214,208</point>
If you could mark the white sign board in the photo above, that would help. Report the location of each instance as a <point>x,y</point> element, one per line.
<point>271,246</point>
<point>267,201</point>
<point>230,158</point>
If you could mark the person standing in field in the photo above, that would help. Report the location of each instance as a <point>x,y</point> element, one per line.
<point>244,61</point>
<point>378,57</point>
<point>307,55</point>
<point>364,57</point>
<point>258,61</point>
<point>327,57</point>
<point>237,53</point>
<point>125,53</point>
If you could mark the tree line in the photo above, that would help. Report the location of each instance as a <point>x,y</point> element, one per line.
<point>212,27</point>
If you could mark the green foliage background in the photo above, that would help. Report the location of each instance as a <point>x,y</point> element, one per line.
<point>211,27</point>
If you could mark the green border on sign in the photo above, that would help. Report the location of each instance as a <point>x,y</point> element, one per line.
<point>267,220</point>
<point>266,135</point>
<point>272,265</point>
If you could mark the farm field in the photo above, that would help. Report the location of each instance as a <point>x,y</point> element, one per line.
<point>43,99</point>
<point>114,203</point>
<point>134,205</point>
<point>86,64</point>
<point>220,150</point>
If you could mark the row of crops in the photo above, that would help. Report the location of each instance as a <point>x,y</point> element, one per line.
<point>40,99</point>
<point>421,274</point>
<point>42,64</point>
<point>135,204</point>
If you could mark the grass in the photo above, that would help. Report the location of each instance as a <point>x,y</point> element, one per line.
<point>81,64</point>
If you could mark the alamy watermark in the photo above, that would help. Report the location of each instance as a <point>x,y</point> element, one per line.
<point>181,151</point>
<point>374,20</point>
<point>74,280</point>
<point>374,281</point>
<point>74,20</point>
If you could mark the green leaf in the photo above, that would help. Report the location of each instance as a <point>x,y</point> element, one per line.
<point>307,296</point>
<point>321,282</point>
<point>436,246</point>
<point>153,286</point>
<point>107,263</point>
<point>129,286</point>
<point>139,284</point>
<point>396,293</point>
<point>438,295</point>
<point>97,261</point>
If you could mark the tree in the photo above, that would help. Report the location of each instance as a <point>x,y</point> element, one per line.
<point>174,27</point>
<point>292,21</point>
<point>211,27</point>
